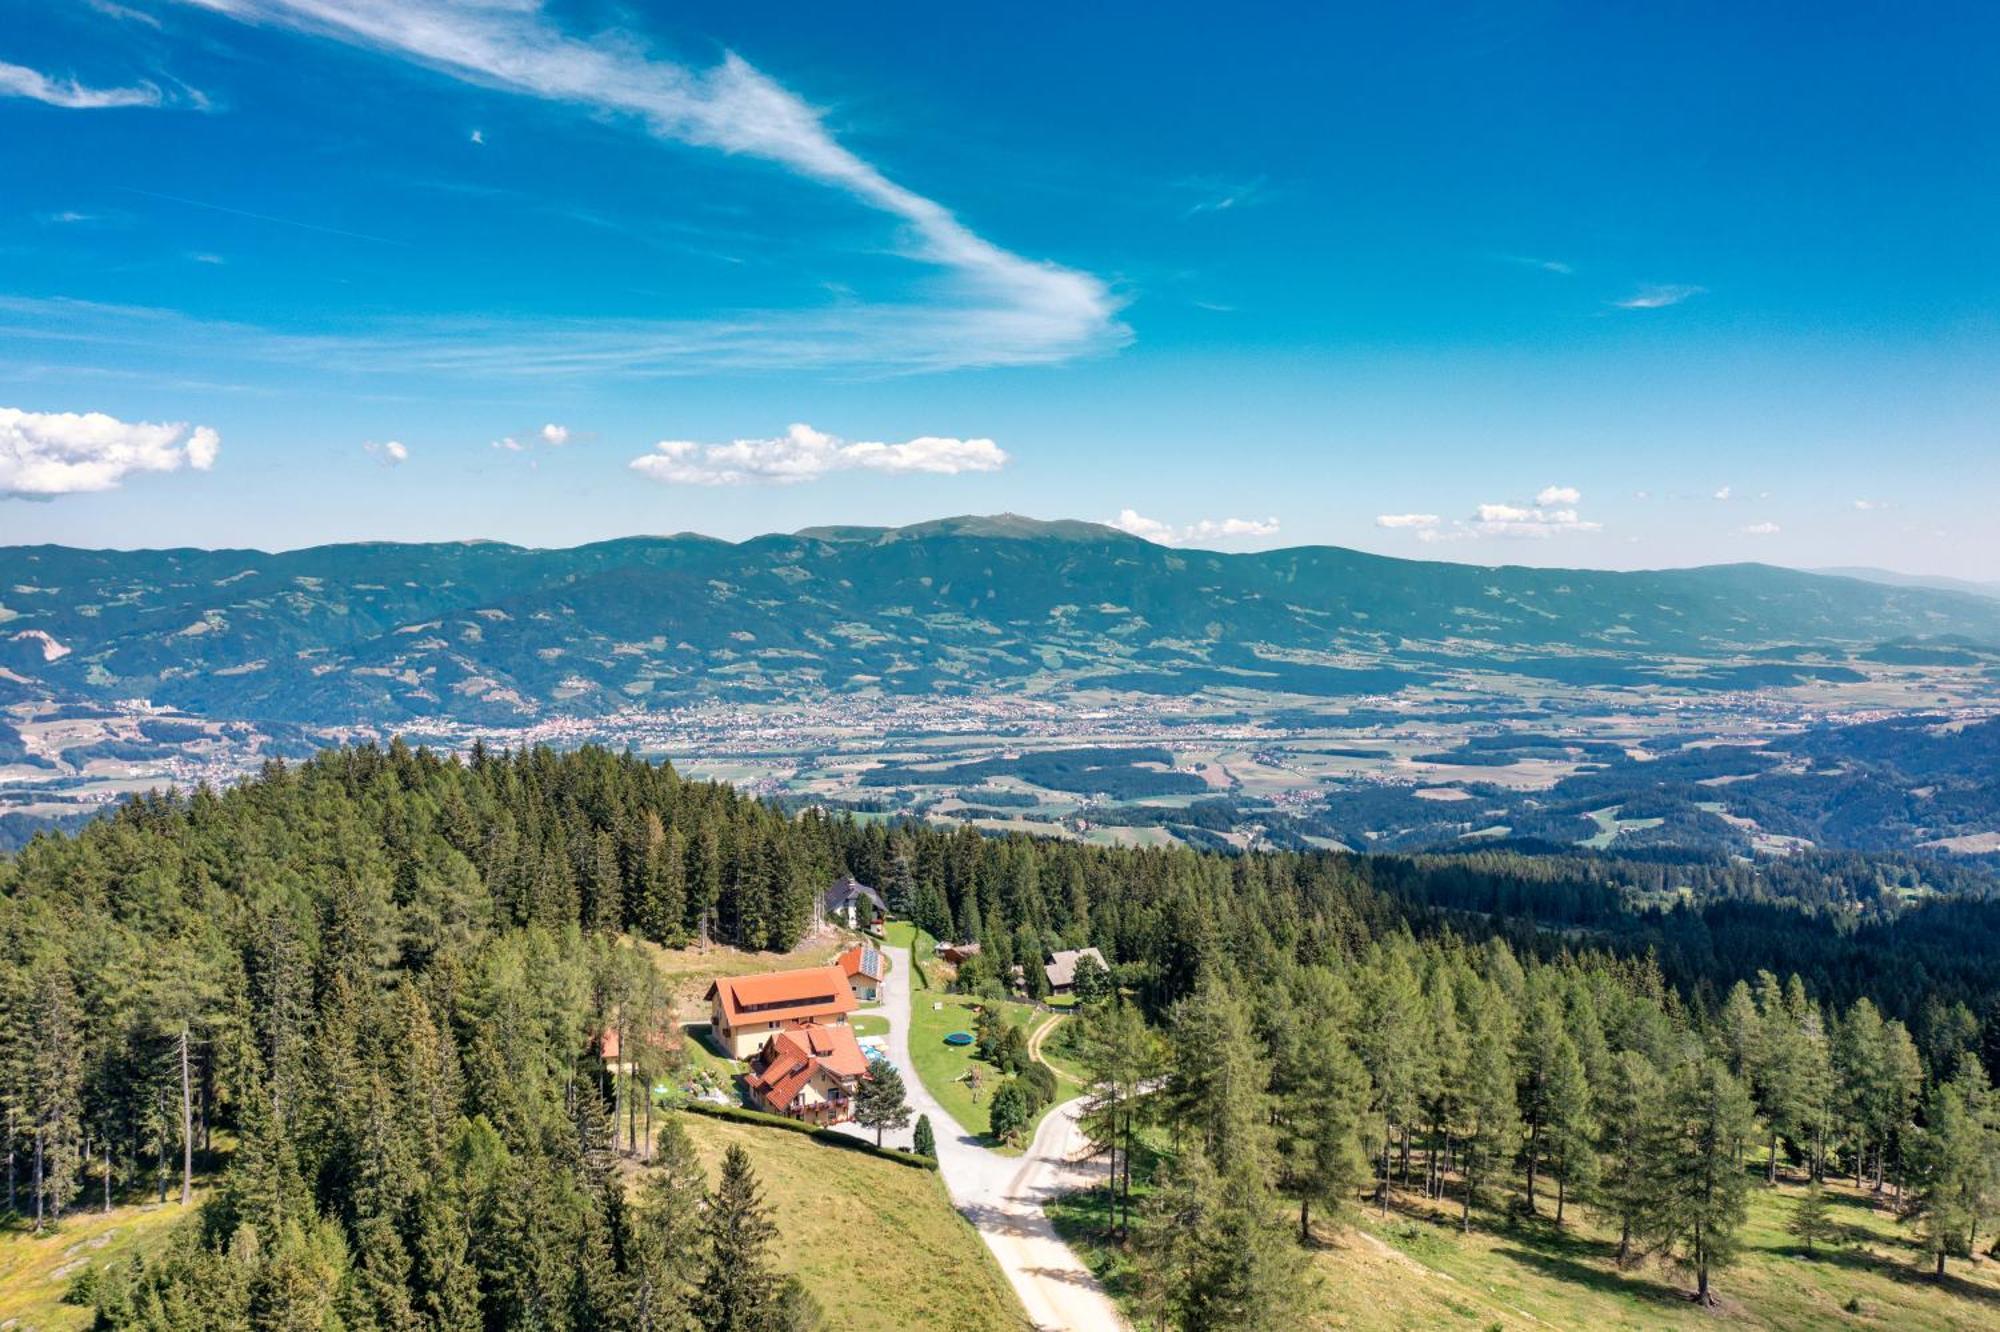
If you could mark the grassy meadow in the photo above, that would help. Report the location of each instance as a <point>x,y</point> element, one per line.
<point>1415,1269</point>
<point>878,1243</point>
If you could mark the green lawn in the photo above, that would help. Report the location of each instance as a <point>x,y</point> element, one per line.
<point>869,1024</point>
<point>945,1068</point>
<point>1417,1270</point>
<point>877,1242</point>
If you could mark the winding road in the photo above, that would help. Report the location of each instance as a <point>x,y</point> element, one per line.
<point>1003,1195</point>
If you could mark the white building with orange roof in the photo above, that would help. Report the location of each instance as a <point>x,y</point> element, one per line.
<point>748,1010</point>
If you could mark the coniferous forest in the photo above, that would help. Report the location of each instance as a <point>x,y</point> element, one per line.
<point>367,991</point>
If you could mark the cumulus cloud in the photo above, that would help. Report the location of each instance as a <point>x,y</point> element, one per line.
<point>390,453</point>
<point>1200,532</point>
<point>1659,297</point>
<point>1535,522</point>
<point>1003,308</point>
<point>1552,513</point>
<point>555,435</point>
<point>20,81</point>
<point>1761,529</point>
<point>1722,494</point>
<point>63,453</point>
<point>805,454</point>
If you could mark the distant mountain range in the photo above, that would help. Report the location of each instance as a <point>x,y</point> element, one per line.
<point>497,634</point>
<point>1890,578</point>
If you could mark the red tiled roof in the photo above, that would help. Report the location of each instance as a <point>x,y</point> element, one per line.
<point>833,1046</point>
<point>785,1073</point>
<point>784,996</point>
<point>788,1060</point>
<point>862,960</point>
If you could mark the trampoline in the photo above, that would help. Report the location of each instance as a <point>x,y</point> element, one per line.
<point>958,1038</point>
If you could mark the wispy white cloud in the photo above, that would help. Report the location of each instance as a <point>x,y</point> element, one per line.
<point>1222,196</point>
<point>1870,505</point>
<point>62,453</point>
<point>1722,495</point>
<point>1201,532</point>
<point>1659,297</point>
<point>805,454</point>
<point>1406,520</point>
<point>1559,495</point>
<point>555,435</point>
<point>1761,529</point>
<point>390,453</point>
<point>478,136</point>
<point>20,81</point>
<point>111,9</point>
<point>1556,266</point>
<point>1005,309</point>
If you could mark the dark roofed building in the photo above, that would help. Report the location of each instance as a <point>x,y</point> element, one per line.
<point>852,903</point>
<point>1061,968</point>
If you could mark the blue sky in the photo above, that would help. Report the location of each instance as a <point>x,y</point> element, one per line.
<point>1556,284</point>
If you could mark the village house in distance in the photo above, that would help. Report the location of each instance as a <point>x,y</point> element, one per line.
<point>865,968</point>
<point>852,903</point>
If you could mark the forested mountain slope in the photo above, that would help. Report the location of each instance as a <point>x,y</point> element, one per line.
<point>477,631</point>
<point>376,979</point>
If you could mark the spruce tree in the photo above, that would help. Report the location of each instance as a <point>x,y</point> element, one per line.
<point>882,1102</point>
<point>665,1258</point>
<point>923,1141</point>
<point>737,1285</point>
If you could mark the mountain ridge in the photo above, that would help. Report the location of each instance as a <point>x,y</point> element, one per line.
<point>491,632</point>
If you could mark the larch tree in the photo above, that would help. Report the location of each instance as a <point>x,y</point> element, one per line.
<point>1697,1190</point>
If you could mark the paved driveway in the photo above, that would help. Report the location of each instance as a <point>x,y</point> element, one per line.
<point>1003,1195</point>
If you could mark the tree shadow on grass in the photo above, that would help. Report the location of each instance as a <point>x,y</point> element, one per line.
<point>1567,1269</point>
<point>1903,1271</point>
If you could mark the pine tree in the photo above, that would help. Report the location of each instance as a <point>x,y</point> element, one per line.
<point>737,1284</point>
<point>882,1103</point>
<point>923,1141</point>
